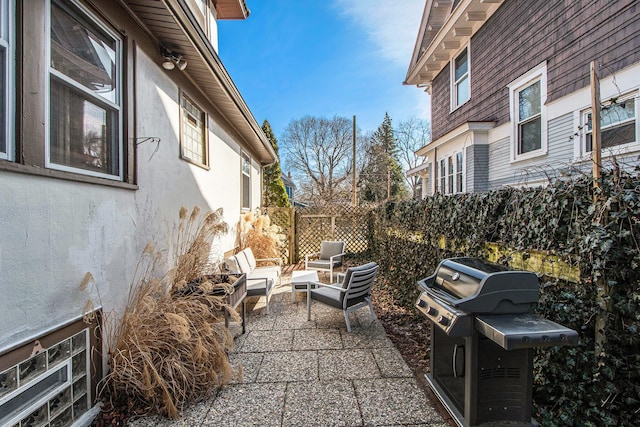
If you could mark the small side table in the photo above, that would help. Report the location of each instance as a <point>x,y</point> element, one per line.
<point>299,280</point>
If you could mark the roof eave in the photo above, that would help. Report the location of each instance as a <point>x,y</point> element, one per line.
<point>232,9</point>
<point>453,33</point>
<point>205,69</point>
<point>458,132</point>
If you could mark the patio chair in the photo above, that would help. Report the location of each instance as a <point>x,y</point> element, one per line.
<point>329,257</point>
<point>353,293</point>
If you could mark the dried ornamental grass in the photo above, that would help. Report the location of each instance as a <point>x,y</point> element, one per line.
<point>169,348</point>
<point>193,247</point>
<point>258,234</point>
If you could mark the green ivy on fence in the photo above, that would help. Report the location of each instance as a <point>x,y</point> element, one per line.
<point>596,233</point>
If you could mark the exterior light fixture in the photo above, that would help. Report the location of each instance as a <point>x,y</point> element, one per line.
<point>173,60</point>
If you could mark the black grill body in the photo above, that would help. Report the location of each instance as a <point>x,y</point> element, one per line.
<point>483,332</point>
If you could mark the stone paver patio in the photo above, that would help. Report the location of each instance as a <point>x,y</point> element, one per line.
<point>300,373</point>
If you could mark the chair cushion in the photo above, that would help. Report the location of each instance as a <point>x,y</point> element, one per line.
<point>270,271</point>
<point>329,249</point>
<point>231,264</point>
<point>259,286</point>
<point>243,263</point>
<point>323,264</point>
<point>250,258</point>
<point>327,296</point>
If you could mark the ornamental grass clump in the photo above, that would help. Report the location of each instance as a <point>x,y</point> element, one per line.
<point>169,347</point>
<point>193,246</point>
<point>260,235</point>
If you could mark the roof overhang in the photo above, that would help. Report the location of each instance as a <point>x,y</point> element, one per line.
<point>460,131</point>
<point>231,9</point>
<point>172,24</point>
<point>442,33</point>
<point>421,170</point>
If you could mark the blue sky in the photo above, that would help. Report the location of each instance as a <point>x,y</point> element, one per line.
<point>293,58</point>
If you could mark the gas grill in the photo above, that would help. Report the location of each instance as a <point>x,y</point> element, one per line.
<point>483,332</point>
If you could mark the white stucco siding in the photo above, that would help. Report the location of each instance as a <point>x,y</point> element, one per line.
<point>223,183</point>
<point>168,182</point>
<point>54,231</point>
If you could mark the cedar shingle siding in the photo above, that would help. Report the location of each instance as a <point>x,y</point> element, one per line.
<point>524,33</point>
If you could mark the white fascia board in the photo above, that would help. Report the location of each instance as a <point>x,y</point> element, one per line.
<point>418,170</point>
<point>460,131</point>
<point>458,18</point>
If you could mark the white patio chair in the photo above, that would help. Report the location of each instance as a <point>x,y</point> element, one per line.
<point>330,256</point>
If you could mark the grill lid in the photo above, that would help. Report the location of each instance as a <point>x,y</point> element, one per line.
<point>478,286</point>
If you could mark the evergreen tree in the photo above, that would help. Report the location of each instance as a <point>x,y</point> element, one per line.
<point>274,193</point>
<point>382,178</point>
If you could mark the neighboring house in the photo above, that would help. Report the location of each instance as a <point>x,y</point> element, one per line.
<point>114,114</point>
<point>289,187</point>
<point>510,89</point>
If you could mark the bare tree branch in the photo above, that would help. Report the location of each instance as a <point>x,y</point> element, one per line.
<point>411,135</point>
<point>318,151</point>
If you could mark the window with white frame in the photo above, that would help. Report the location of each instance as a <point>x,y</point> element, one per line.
<point>246,181</point>
<point>194,140</point>
<point>617,124</point>
<point>528,114</point>
<point>459,187</point>
<point>6,79</point>
<point>85,94</point>
<point>443,176</point>
<point>451,174</point>
<point>460,89</point>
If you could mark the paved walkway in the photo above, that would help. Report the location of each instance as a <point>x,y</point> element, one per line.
<point>300,373</point>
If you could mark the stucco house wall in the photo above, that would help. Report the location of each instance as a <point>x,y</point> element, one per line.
<point>58,226</point>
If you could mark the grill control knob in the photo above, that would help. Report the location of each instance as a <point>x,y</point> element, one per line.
<point>443,321</point>
<point>431,311</point>
<point>422,303</point>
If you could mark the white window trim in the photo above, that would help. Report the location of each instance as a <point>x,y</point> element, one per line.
<point>453,155</point>
<point>452,80</point>
<point>117,105</point>
<point>7,9</point>
<point>580,118</point>
<point>243,154</point>
<point>205,132</point>
<point>462,180</point>
<point>442,175</point>
<point>537,73</point>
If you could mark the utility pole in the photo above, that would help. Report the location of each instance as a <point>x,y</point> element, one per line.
<point>595,124</point>
<point>603,299</point>
<point>354,200</point>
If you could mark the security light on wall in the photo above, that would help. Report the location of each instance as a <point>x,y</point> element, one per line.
<point>173,60</point>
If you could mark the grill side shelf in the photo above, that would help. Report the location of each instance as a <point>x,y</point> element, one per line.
<point>524,331</point>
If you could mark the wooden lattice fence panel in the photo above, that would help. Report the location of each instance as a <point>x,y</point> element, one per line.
<point>314,225</point>
<point>284,218</point>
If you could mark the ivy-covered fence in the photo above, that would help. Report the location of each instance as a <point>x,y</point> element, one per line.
<point>596,235</point>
